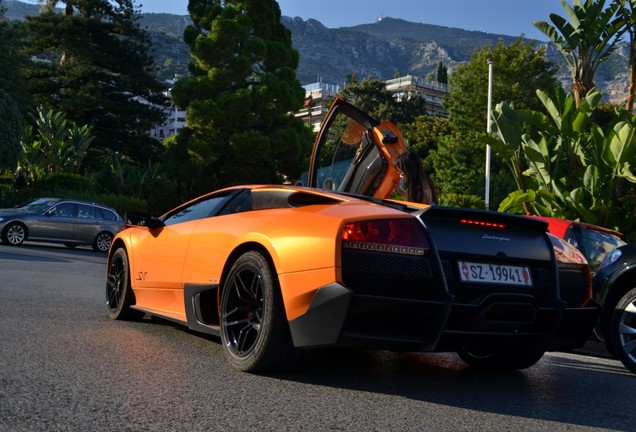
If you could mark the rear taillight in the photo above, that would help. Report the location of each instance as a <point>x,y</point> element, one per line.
<point>402,236</point>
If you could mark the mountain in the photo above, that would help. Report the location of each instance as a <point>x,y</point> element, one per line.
<point>381,49</point>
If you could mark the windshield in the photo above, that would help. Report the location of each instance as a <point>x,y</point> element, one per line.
<point>39,205</point>
<point>596,244</point>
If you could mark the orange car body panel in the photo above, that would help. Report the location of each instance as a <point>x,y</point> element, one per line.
<point>390,153</point>
<point>204,247</point>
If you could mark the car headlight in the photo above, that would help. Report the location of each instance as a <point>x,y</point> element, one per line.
<point>611,258</point>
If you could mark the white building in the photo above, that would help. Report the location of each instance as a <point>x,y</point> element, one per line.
<point>174,122</point>
<point>319,95</point>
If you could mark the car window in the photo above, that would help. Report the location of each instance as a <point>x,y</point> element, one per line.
<point>198,210</point>
<point>106,214</point>
<point>86,212</point>
<point>340,146</point>
<point>62,210</point>
<point>39,205</point>
<point>594,244</point>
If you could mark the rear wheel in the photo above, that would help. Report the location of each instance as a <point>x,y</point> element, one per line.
<point>254,330</point>
<point>14,234</point>
<point>622,330</point>
<point>119,295</point>
<point>102,242</point>
<point>505,359</point>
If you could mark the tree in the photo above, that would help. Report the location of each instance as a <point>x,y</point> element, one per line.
<point>55,145</point>
<point>11,125</point>
<point>242,93</point>
<point>423,134</point>
<point>13,95</point>
<point>519,70</point>
<point>442,73</point>
<point>586,38</point>
<point>628,13</point>
<point>565,165</point>
<point>97,71</point>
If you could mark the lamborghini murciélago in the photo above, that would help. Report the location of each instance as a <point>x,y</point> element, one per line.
<point>273,269</point>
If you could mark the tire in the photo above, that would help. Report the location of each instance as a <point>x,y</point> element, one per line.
<point>14,234</point>
<point>102,242</point>
<point>622,330</point>
<point>501,360</point>
<point>254,330</point>
<point>119,295</point>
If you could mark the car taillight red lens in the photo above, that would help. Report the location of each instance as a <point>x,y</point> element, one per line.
<point>402,236</point>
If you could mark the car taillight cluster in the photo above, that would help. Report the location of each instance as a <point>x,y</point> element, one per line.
<point>402,236</point>
<point>482,223</point>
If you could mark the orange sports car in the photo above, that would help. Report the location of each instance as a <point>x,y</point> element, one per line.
<point>274,269</point>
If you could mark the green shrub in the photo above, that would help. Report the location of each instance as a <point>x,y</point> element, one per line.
<point>59,184</point>
<point>122,203</point>
<point>462,200</point>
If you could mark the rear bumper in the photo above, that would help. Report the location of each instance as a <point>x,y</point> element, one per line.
<point>576,327</point>
<point>338,317</point>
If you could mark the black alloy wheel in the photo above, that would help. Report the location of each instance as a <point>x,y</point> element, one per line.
<point>254,331</point>
<point>622,330</point>
<point>119,295</point>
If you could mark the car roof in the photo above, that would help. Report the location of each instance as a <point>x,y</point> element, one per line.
<point>57,200</point>
<point>558,227</point>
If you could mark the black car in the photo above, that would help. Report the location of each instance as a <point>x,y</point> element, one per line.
<point>56,220</point>
<point>615,288</point>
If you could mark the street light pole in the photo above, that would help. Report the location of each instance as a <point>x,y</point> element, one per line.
<point>488,130</point>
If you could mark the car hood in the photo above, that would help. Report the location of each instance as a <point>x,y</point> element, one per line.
<point>13,211</point>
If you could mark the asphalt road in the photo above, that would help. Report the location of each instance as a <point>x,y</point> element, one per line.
<point>64,366</point>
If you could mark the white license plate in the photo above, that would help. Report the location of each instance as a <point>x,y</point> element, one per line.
<point>494,274</point>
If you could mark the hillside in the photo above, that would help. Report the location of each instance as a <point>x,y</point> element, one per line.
<point>381,49</point>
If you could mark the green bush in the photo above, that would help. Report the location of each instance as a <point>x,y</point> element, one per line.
<point>462,200</point>
<point>122,203</point>
<point>58,185</point>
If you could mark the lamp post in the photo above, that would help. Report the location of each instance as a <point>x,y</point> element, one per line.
<point>488,130</point>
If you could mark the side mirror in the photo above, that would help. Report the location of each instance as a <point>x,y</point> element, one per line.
<point>144,220</point>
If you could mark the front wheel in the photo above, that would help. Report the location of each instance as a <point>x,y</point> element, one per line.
<point>505,359</point>
<point>119,295</point>
<point>622,330</point>
<point>254,330</point>
<point>14,234</point>
<point>102,242</point>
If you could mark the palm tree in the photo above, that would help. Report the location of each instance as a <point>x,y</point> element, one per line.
<point>585,38</point>
<point>628,13</point>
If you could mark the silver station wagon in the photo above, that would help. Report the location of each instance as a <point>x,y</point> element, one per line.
<point>56,220</point>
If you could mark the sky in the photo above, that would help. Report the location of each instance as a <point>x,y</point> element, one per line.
<point>508,17</point>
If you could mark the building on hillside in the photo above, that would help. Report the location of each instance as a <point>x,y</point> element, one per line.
<point>318,98</point>
<point>319,95</point>
<point>175,120</point>
<point>433,92</point>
